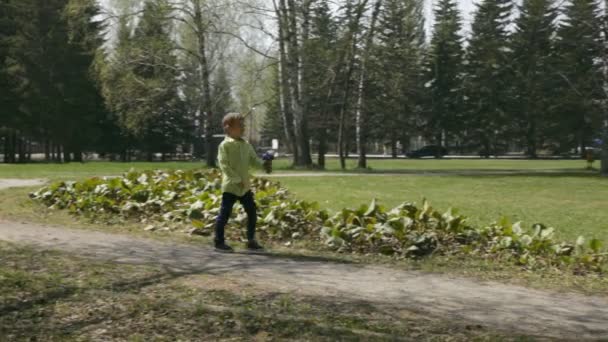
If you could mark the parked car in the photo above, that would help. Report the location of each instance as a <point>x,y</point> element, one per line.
<point>428,151</point>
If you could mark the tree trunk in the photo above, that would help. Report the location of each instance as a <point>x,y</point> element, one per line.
<point>7,148</point>
<point>394,147</point>
<point>58,153</point>
<point>47,150</point>
<point>322,148</point>
<point>67,154</point>
<point>360,112</point>
<point>582,141</point>
<point>604,164</point>
<point>28,151</point>
<point>341,140</point>
<point>305,158</point>
<point>205,108</point>
<point>439,142</point>
<point>284,101</point>
<point>51,151</point>
<point>13,151</point>
<point>78,155</point>
<point>405,144</point>
<point>531,138</point>
<point>21,149</point>
<point>350,61</point>
<point>294,83</point>
<point>486,147</point>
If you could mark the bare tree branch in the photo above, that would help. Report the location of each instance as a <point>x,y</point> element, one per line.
<point>244,42</point>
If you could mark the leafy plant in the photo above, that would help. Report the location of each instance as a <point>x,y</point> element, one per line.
<point>189,201</point>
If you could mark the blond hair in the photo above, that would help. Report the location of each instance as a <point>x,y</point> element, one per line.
<point>230,119</point>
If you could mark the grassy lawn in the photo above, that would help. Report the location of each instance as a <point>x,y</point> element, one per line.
<point>83,170</point>
<point>89,169</point>
<point>574,205</point>
<point>52,296</point>
<point>390,165</point>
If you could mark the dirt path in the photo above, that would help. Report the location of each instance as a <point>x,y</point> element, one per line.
<point>13,183</point>
<point>505,307</point>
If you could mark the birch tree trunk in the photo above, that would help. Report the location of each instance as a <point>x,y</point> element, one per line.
<point>604,152</point>
<point>205,103</point>
<point>284,77</point>
<point>350,57</point>
<point>361,129</point>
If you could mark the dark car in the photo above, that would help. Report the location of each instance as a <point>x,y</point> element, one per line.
<point>428,151</point>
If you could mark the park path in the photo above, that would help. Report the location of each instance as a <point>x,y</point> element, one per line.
<point>10,183</point>
<point>442,173</point>
<point>509,308</point>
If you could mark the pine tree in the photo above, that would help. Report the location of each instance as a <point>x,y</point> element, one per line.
<point>141,84</point>
<point>488,75</point>
<point>8,105</point>
<point>398,87</point>
<point>272,126</point>
<point>36,53</point>
<point>532,50</point>
<point>444,74</point>
<point>83,105</point>
<point>221,96</point>
<point>51,53</point>
<point>579,49</point>
<point>322,65</point>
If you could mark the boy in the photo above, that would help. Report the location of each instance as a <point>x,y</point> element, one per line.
<point>234,157</point>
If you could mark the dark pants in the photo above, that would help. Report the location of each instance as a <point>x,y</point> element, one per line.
<point>228,201</point>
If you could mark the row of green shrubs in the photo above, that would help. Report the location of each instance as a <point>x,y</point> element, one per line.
<point>189,201</point>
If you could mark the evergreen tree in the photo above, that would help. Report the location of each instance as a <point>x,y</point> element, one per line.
<point>83,109</point>
<point>398,87</point>
<point>444,75</point>
<point>579,48</point>
<point>272,126</point>
<point>141,84</point>
<point>50,56</point>
<point>322,64</point>
<point>8,105</point>
<point>533,85</point>
<point>488,76</point>
<point>222,99</point>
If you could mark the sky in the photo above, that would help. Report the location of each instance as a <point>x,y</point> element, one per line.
<point>466,7</point>
<point>466,10</point>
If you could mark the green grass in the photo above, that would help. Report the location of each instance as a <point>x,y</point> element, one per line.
<point>83,170</point>
<point>89,169</point>
<point>53,296</point>
<point>574,205</point>
<point>394,165</point>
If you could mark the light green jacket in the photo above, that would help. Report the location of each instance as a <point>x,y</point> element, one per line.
<point>234,158</point>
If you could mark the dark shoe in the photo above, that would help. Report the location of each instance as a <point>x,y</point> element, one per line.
<point>223,247</point>
<point>254,245</point>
